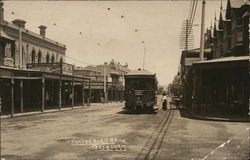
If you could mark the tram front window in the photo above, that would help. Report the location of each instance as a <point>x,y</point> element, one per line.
<point>140,84</point>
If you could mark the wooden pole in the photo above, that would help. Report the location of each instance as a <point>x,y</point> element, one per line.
<point>73,94</point>
<point>83,93</point>
<point>60,95</point>
<point>12,97</point>
<point>186,38</point>
<point>43,94</point>
<point>21,95</point>
<point>144,54</point>
<point>104,84</point>
<point>89,94</point>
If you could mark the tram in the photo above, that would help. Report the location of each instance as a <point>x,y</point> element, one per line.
<point>140,91</point>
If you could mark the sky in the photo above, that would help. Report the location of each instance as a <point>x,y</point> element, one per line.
<point>95,32</point>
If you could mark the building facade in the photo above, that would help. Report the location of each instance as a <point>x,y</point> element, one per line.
<point>230,33</point>
<point>220,86</point>
<point>33,74</point>
<point>107,80</point>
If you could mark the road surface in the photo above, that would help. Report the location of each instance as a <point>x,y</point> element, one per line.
<point>106,132</point>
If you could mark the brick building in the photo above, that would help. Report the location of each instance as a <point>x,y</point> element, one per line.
<point>33,74</point>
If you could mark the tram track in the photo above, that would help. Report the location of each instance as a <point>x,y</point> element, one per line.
<point>153,116</point>
<point>154,142</point>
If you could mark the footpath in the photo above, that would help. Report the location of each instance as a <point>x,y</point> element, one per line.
<point>215,117</point>
<point>57,110</point>
<point>221,118</point>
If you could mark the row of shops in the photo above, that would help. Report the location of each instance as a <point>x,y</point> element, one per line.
<point>218,87</point>
<point>35,77</point>
<point>29,90</point>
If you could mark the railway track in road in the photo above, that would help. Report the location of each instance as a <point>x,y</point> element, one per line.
<point>154,142</point>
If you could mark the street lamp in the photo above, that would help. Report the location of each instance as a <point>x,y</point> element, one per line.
<point>144,54</point>
<point>104,83</point>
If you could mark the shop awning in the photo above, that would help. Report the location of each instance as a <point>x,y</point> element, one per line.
<point>241,61</point>
<point>226,59</point>
<point>5,35</point>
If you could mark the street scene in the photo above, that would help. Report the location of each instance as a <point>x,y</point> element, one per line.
<point>107,132</point>
<point>125,80</point>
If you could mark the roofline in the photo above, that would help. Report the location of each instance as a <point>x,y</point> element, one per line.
<point>42,72</point>
<point>6,23</point>
<point>81,69</point>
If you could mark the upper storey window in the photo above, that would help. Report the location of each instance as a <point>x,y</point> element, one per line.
<point>53,59</point>
<point>33,56</point>
<point>39,56</point>
<point>47,58</point>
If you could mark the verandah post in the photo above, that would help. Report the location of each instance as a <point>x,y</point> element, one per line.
<point>12,97</point>
<point>21,95</point>
<point>43,94</point>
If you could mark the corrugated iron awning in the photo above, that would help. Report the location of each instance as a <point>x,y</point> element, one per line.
<point>225,59</point>
<point>5,35</point>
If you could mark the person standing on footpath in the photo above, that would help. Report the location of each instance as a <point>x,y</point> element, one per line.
<point>164,101</point>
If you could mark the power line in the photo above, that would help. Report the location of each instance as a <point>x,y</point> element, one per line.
<point>191,9</point>
<point>193,16</point>
<point>186,40</point>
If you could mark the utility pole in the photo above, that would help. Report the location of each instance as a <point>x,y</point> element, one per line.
<point>144,58</point>
<point>186,36</point>
<point>202,30</point>
<point>186,40</point>
<point>104,83</point>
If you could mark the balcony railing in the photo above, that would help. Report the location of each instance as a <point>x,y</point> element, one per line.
<point>59,68</point>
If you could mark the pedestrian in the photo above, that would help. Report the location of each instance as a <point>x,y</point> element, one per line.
<point>164,101</point>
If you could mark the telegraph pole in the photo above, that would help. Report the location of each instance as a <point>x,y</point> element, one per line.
<point>202,30</point>
<point>186,40</point>
<point>144,58</point>
<point>104,83</point>
<point>186,36</point>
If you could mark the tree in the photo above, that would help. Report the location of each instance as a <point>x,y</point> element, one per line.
<point>175,86</point>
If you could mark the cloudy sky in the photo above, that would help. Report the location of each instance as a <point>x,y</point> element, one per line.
<point>98,31</point>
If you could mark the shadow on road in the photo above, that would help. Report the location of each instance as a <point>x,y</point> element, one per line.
<point>214,117</point>
<point>184,113</point>
<point>136,112</point>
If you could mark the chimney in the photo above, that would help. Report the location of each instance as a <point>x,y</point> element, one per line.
<point>19,22</point>
<point>42,30</point>
<point>1,12</point>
